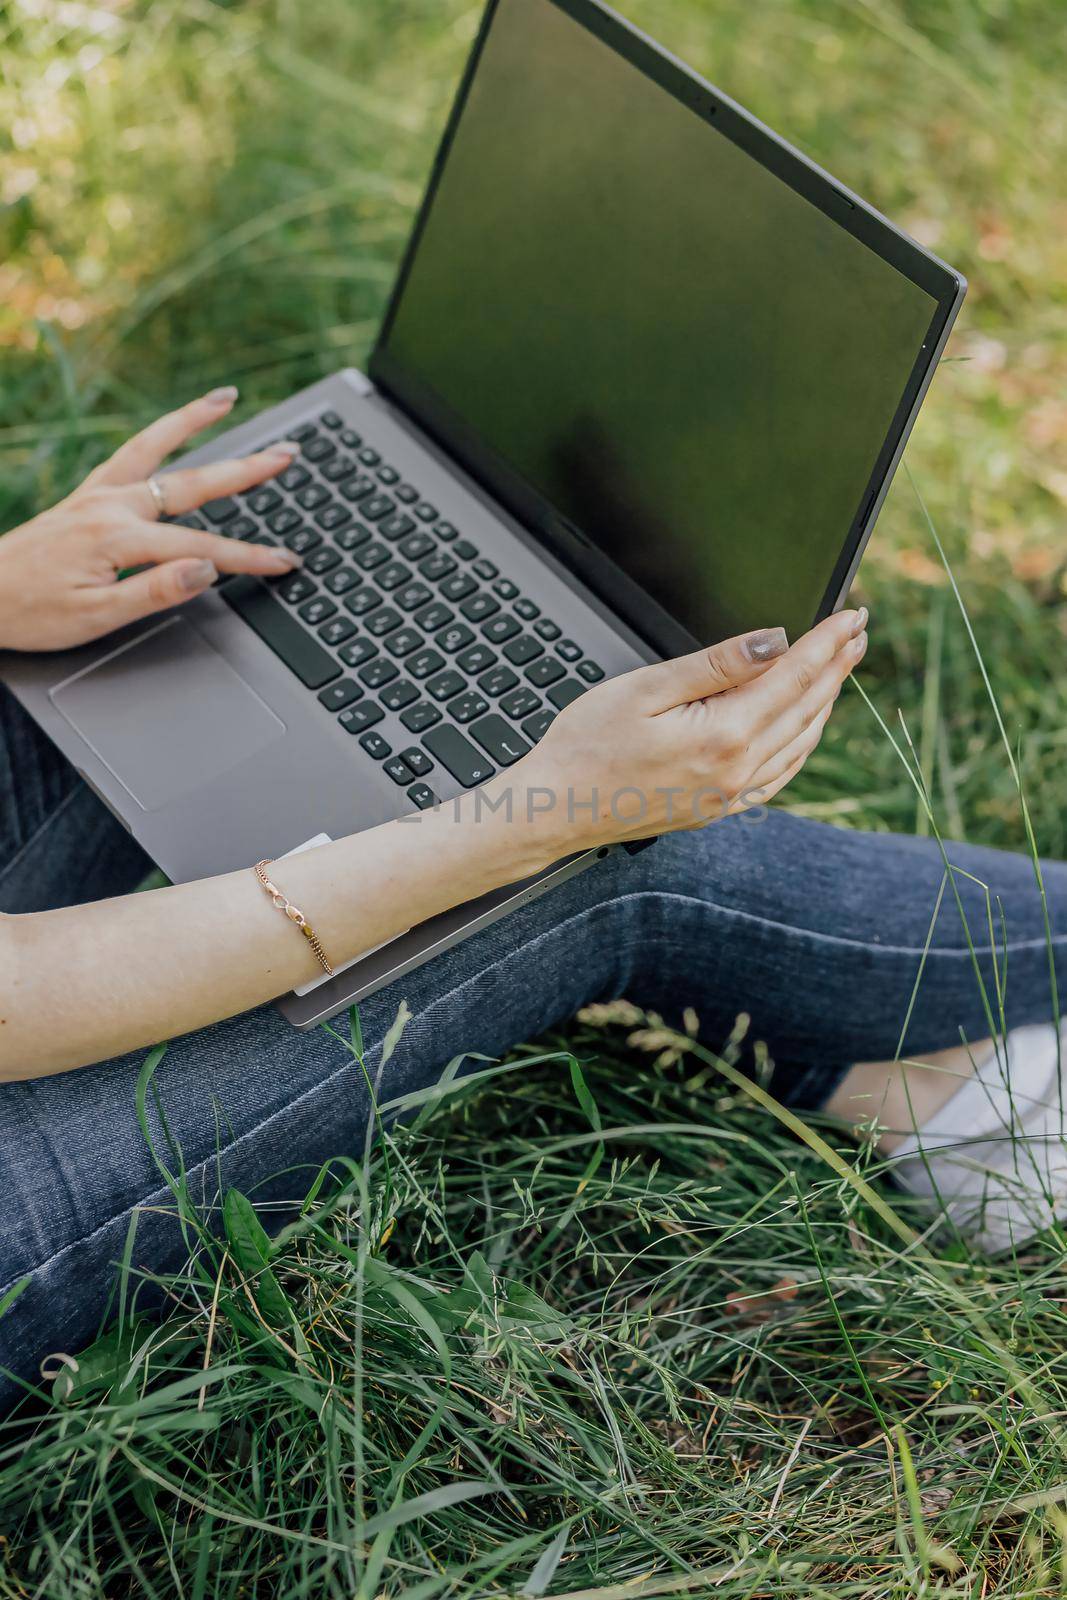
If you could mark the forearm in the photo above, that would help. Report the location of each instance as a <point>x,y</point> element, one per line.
<point>93,981</point>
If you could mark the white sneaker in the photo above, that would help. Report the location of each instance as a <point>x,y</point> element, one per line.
<point>994,1157</point>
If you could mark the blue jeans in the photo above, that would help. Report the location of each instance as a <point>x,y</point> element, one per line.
<point>817,933</point>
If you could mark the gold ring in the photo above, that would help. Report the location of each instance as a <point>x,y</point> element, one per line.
<point>156,490</point>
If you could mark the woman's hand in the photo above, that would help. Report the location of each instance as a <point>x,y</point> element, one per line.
<point>680,744</point>
<point>58,573</point>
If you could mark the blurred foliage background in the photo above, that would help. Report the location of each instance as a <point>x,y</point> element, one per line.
<point>196,193</point>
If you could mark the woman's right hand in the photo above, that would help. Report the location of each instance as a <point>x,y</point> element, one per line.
<point>684,742</point>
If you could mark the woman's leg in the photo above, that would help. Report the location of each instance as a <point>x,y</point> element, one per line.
<point>818,934</point>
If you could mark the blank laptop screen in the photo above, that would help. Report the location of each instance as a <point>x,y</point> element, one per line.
<point>693,363</point>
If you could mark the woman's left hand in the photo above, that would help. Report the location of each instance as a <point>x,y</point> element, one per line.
<point>58,573</point>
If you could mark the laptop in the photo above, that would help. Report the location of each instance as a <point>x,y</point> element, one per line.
<point>643,381</point>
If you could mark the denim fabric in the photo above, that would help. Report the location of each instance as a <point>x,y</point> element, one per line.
<point>817,933</point>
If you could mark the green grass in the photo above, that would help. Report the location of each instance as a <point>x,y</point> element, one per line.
<point>555,1290</point>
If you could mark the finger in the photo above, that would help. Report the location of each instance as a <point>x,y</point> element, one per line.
<point>711,670</point>
<point>188,487</point>
<point>793,676</point>
<point>795,720</point>
<point>157,589</point>
<point>167,541</point>
<point>139,457</point>
<point>788,759</point>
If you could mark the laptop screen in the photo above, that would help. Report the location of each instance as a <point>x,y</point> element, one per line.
<point>691,362</point>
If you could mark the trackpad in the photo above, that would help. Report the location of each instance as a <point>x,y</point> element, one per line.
<point>166,713</point>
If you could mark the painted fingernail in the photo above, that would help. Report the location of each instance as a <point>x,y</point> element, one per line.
<point>860,623</point>
<point>198,575</point>
<point>765,645</point>
<point>286,560</point>
<point>859,646</point>
<point>286,448</point>
<point>225,395</point>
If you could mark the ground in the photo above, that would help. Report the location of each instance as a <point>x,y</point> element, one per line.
<point>618,1330</point>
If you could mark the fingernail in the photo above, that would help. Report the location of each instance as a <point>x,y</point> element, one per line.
<point>860,623</point>
<point>198,575</point>
<point>765,645</point>
<point>286,560</point>
<point>285,447</point>
<point>223,396</point>
<point>859,645</point>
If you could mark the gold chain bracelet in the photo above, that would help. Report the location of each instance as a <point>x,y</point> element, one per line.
<point>282,904</point>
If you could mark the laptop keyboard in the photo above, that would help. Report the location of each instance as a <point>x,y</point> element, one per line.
<point>395,610</point>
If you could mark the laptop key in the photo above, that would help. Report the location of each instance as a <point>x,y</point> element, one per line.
<point>376,746</point>
<point>498,681</point>
<point>260,501</point>
<point>545,671</point>
<point>369,457</point>
<point>322,560</point>
<point>422,795</point>
<point>330,419</point>
<point>527,610</point>
<point>388,475</point>
<point>412,595</point>
<point>333,516</point>
<point>280,631</point>
<point>417,760</point>
<point>506,589</point>
<point>319,449</point>
<point>303,540</point>
<point>317,609</point>
<point>425,662</point>
<point>567,650</point>
<point>415,546</point>
<point>520,702</point>
<point>392,575</point>
<point>397,525</point>
<point>351,538</point>
<point>350,438</point>
<point>407,494</point>
<point>466,764</point>
<point>360,650</point>
<point>376,507</point>
<point>466,706</point>
<point>497,629</point>
<point>341,581</point>
<point>294,588</point>
<point>399,695</point>
<point>336,631</point>
<point>590,671</point>
<point>561,694</point>
<point>426,512</point>
<point>523,649</point>
<point>239,528</point>
<point>499,739</point>
<point>476,659</point>
<point>445,531</point>
<point>303,430</point>
<point>358,718</point>
<point>434,616</point>
<point>454,638</point>
<point>294,477</point>
<point>546,629</point>
<point>340,467</point>
<point>486,569</point>
<point>284,521</point>
<point>402,641</point>
<point>458,586</point>
<point>465,550</point>
<point>399,771</point>
<point>221,510</point>
<point>445,685</point>
<point>378,672</point>
<point>362,601</point>
<point>382,619</point>
<point>480,606</point>
<point>437,566</point>
<point>338,695</point>
<point>418,718</point>
<point>537,726</point>
<point>373,555</point>
<point>358,488</point>
<point>313,496</point>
